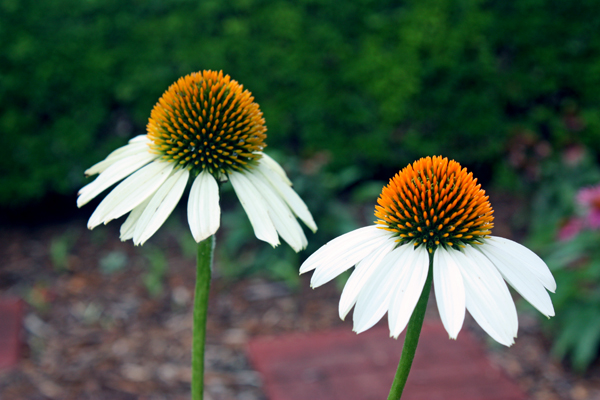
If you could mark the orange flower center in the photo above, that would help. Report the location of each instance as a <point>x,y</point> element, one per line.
<point>435,202</point>
<point>207,121</point>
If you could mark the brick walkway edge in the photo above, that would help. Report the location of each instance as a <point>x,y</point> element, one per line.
<point>340,365</point>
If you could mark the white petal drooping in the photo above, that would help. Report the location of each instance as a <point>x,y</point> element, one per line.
<point>288,194</point>
<point>137,145</point>
<point>521,279</point>
<point>282,217</point>
<point>275,167</point>
<point>255,207</point>
<point>204,212</point>
<point>342,253</point>
<point>128,227</point>
<point>487,297</point>
<point>528,260</point>
<point>375,294</point>
<point>113,174</point>
<point>340,246</point>
<point>449,291</point>
<point>409,289</point>
<point>160,206</point>
<point>359,278</point>
<point>131,192</point>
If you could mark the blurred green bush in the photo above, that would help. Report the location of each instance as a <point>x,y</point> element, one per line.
<point>375,84</point>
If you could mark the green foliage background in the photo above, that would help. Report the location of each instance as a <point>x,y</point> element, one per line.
<point>373,83</point>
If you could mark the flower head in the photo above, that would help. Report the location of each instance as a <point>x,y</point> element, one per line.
<point>206,122</point>
<point>206,128</point>
<point>433,212</point>
<point>435,202</point>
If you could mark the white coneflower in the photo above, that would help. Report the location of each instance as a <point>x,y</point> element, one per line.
<point>433,208</point>
<point>207,128</point>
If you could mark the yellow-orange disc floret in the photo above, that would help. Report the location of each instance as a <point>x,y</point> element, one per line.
<point>207,121</point>
<point>435,202</point>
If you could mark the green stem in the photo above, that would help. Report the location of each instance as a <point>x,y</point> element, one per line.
<point>203,273</point>
<point>412,338</point>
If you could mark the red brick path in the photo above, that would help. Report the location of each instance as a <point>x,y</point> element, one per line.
<point>340,365</point>
<point>11,314</point>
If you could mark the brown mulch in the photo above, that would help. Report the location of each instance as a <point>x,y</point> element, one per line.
<point>90,334</point>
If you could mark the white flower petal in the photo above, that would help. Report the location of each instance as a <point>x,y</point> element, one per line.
<point>364,269</point>
<point>255,208</point>
<point>522,279</point>
<point>369,237</point>
<point>286,224</point>
<point>375,296</point>
<point>528,259</point>
<point>449,291</point>
<point>134,147</point>
<point>140,139</point>
<point>487,297</point>
<point>408,290</point>
<point>275,167</point>
<point>337,262</point>
<point>113,174</point>
<point>128,226</point>
<point>160,206</point>
<point>288,194</point>
<point>204,211</point>
<point>131,192</point>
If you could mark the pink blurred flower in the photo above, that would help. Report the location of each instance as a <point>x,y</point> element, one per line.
<point>569,230</point>
<point>589,199</point>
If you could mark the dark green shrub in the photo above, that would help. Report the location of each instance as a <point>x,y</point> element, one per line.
<point>374,83</point>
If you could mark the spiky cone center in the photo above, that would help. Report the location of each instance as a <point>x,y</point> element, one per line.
<point>435,202</point>
<point>207,121</point>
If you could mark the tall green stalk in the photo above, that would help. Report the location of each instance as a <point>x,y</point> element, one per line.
<point>412,338</point>
<point>203,274</point>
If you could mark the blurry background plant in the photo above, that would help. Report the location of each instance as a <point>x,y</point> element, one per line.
<point>350,94</point>
<point>564,228</point>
